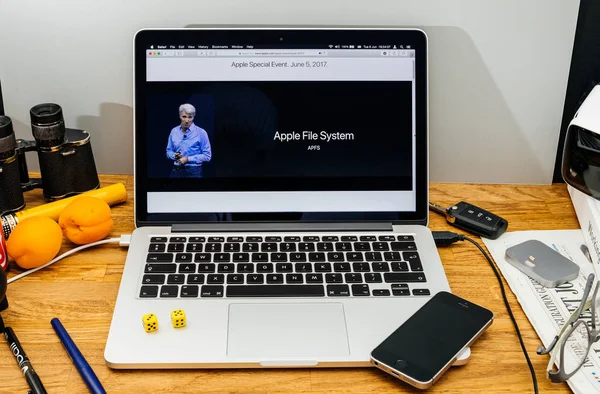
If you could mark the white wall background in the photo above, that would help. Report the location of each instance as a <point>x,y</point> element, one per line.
<point>499,70</point>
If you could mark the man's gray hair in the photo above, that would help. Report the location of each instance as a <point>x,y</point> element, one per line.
<point>188,109</point>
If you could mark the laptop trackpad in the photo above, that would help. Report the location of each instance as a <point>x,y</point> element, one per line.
<point>287,331</point>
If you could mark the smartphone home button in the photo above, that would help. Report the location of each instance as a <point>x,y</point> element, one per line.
<point>400,364</point>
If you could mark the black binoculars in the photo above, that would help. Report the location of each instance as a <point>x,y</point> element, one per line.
<point>65,156</point>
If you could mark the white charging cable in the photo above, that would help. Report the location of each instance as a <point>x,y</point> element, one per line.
<point>123,241</point>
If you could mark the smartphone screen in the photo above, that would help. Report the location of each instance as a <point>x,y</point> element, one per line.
<point>430,338</point>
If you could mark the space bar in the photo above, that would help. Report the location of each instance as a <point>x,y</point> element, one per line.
<point>276,291</point>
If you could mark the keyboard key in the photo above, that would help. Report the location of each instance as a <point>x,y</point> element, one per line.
<point>183,257</point>
<point>283,267</point>
<point>316,257</point>
<point>287,247</point>
<point>371,277</point>
<point>215,278</point>
<point>338,290</point>
<point>279,257</point>
<point>222,258</point>
<point>195,279</point>
<point>216,239</point>
<point>272,239</point>
<point>157,248</point>
<point>415,265</point>
<point>368,238</point>
<point>159,258</point>
<point>373,256</point>
<point>360,290</point>
<point>211,291</point>
<point>401,292</point>
<point>254,239</point>
<point>189,291</point>
<point>276,291</point>
<point>380,246</point>
<point>291,239</point>
<point>265,267</point>
<point>410,256</point>
<point>294,278</point>
<point>235,278</point>
<point>160,268</point>
<point>362,246</point>
<point>294,257</point>
<point>149,292</point>
<point>176,279</point>
<point>187,268</point>
<point>330,238</point>
<point>158,239</point>
<point>387,238</point>
<point>306,247</point>
<point>203,258</point>
<point>175,247</point>
<point>354,256</point>
<point>235,239</point>
<point>193,248</point>
<point>361,267</point>
<point>268,247</point>
<point>260,257</point>
<point>380,267</point>
<point>222,268</point>
<point>311,238</point>
<point>178,240</point>
<point>325,247</point>
<point>252,247</point>
<point>404,277</point>
<point>343,246</point>
<point>275,278</point>
<point>381,292</point>
<point>404,246</point>
<point>231,247</point>
<point>392,256</point>
<point>400,266</point>
<point>153,279</point>
<point>213,247</point>
<point>255,278</point>
<point>323,267</point>
<point>335,256</point>
<point>341,267</point>
<point>245,268</point>
<point>406,238</point>
<point>399,286</point>
<point>421,292</point>
<point>353,278</point>
<point>169,291</point>
<point>350,238</point>
<point>333,278</point>
<point>241,257</point>
<point>303,267</point>
<point>206,268</point>
<point>197,239</point>
<point>314,278</point>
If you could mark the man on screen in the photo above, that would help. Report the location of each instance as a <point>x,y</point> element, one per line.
<point>188,145</point>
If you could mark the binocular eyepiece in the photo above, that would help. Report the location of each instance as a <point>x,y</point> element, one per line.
<point>65,156</point>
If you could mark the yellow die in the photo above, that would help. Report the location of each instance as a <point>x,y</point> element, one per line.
<point>150,322</point>
<point>178,318</point>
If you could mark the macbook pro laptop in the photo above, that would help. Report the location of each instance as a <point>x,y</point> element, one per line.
<point>281,197</point>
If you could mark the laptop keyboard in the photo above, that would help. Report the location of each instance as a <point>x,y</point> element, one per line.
<point>283,266</point>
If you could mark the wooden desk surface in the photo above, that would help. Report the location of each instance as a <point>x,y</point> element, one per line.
<point>81,290</point>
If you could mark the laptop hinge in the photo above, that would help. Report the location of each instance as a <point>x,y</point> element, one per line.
<point>262,227</point>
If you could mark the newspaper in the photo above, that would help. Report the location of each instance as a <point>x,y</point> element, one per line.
<point>549,308</point>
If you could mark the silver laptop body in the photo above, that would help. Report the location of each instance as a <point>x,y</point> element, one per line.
<point>294,233</point>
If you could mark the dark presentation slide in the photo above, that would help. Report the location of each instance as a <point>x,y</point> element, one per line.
<point>281,129</point>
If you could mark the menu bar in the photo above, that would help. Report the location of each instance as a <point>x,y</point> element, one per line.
<point>283,45</point>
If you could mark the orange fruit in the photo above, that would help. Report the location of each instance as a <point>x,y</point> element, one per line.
<point>85,220</point>
<point>34,242</point>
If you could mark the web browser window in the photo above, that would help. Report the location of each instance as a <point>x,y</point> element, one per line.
<point>280,129</point>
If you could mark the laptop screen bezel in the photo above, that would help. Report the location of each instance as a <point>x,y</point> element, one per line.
<point>309,36</point>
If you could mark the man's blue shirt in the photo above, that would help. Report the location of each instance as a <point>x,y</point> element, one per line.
<point>194,144</point>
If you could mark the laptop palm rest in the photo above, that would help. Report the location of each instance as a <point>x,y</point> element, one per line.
<point>287,334</point>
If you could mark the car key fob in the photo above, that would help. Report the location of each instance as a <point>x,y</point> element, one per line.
<point>471,218</point>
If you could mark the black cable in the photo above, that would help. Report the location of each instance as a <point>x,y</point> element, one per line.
<point>444,238</point>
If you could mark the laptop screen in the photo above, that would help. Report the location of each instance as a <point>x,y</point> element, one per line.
<point>279,125</point>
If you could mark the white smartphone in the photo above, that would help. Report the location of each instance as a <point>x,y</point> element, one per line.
<point>431,340</point>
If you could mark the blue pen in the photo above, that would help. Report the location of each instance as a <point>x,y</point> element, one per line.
<point>84,369</point>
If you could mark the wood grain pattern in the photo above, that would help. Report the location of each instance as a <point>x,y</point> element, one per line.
<point>81,291</point>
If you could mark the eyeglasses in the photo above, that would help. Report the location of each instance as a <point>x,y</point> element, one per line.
<point>577,334</point>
